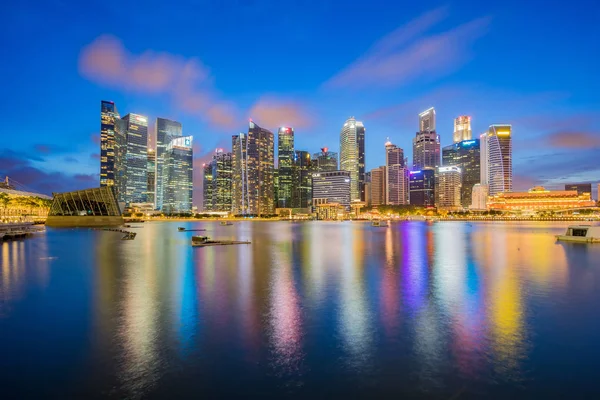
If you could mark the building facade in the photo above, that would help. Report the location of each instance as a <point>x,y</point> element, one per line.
<point>422,188</point>
<point>426,143</point>
<point>252,172</point>
<point>332,187</point>
<point>378,186</point>
<point>467,156</point>
<point>207,186</point>
<point>108,115</point>
<point>581,188</point>
<point>285,158</point>
<point>166,130</point>
<point>499,159</point>
<point>448,187</point>
<point>136,158</point>
<point>221,181</point>
<point>397,176</point>
<point>151,186</point>
<point>462,129</point>
<point>325,161</point>
<point>427,120</point>
<point>352,156</point>
<point>178,180</point>
<point>479,197</point>
<point>540,199</point>
<point>302,180</point>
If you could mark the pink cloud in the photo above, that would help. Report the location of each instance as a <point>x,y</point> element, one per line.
<point>404,54</point>
<point>271,112</point>
<point>574,140</point>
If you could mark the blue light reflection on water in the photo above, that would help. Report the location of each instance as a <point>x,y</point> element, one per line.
<point>482,309</point>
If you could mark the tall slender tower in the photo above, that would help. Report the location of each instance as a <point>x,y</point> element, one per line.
<point>108,116</point>
<point>352,156</point>
<point>178,175</point>
<point>166,130</point>
<point>397,181</point>
<point>302,180</point>
<point>462,129</point>
<point>285,158</point>
<point>499,154</point>
<point>136,158</point>
<point>426,144</point>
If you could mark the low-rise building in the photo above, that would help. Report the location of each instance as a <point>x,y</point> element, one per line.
<point>540,199</point>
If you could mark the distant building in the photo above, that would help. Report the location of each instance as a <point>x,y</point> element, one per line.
<point>352,156</point>
<point>465,155</point>
<point>178,179</point>
<point>539,199</point>
<point>397,185</point>
<point>151,185</point>
<point>252,172</point>
<point>462,129</point>
<point>479,197</point>
<point>331,187</point>
<point>136,158</point>
<point>301,180</point>
<point>499,159</point>
<point>448,187</point>
<point>484,170</point>
<point>581,188</point>
<point>426,143</point>
<point>325,161</point>
<point>378,186</point>
<point>422,188</point>
<point>166,130</point>
<point>427,120</point>
<point>108,115</point>
<point>368,189</point>
<point>285,157</point>
<point>221,181</point>
<point>207,187</point>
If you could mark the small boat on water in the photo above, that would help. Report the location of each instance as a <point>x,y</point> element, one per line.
<point>129,236</point>
<point>204,241</point>
<point>181,229</point>
<point>581,234</point>
<point>379,223</point>
<point>226,223</point>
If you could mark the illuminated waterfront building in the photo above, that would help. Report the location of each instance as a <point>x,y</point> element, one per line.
<point>178,180</point>
<point>325,161</point>
<point>136,159</point>
<point>166,130</point>
<point>426,143</point>
<point>108,115</point>
<point>462,129</point>
<point>499,159</point>
<point>448,187</point>
<point>352,156</point>
<point>252,172</point>
<point>151,185</point>
<point>331,187</point>
<point>422,188</point>
<point>539,199</point>
<point>397,186</point>
<point>479,197</point>
<point>368,188</point>
<point>207,187</point>
<point>581,188</point>
<point>378,186</point>
<point>301,180</point>
<point>285,158</point>
<point>467,156</point>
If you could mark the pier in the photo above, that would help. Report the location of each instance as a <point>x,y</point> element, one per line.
<point>18,230</point>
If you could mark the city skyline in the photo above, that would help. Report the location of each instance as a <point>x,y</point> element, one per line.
<point>554,121</point>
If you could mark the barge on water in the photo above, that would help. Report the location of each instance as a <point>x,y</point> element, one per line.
<point>205,241</point>
<point>581,234</point>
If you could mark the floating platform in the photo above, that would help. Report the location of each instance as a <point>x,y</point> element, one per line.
<point>205,241</point>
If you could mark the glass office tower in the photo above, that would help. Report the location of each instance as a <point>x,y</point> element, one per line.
<point>178,175</point>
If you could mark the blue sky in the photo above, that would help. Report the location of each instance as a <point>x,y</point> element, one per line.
<point>309,64</point>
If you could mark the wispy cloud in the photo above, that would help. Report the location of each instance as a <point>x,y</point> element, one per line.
<point>574,140</point>
<point>274,112</point>
<point>408,53</point>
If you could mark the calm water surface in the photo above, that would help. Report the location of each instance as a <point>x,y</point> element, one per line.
<point>446,310</point>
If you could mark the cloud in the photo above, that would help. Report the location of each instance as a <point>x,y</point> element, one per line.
<point>574,140</point>
<point>405,54</point>
<point>95,138</point>
<point>271,112</point>
<point>187,81</point>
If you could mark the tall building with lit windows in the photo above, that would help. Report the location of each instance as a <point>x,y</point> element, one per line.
<point>325,160</point>
<point>467,156</point>
<point>499,158</point>
<point>285,159</point>
<point>178,180</point>
<point>422,188</point>
<point>462,129</point>
<point>108,115</point>
<point>136,158</point>
<point>448,185</point>
<point>252,172</point>
<point>151,186</point>
<point>426,143</point>
<point>302,180</point>
<point>352,156</point>
<point>207,187</point>
<point>331,187</point>
<point>221,181</point>
<point>166,130</point>
<point>378,186</point>
<point>397,176</point>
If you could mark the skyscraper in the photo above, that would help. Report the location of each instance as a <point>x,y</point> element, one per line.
<point>252,170</point>
<point>136,158</point>
<point>484,169</point>
<point>221,181</point>
<point>302,180</point>
<point>332,187</point>
<point>465,155</point>
<point>422,188</point>
<point>151,186</point>
<point>352,156</point>
<point>285,157</point>
<point>448,186</point>
<point>325,160</point>
<point>108,115</point>
<point>397,182</point>
<point>499,158</point>
<point>166,130</point>
<point>178,180</point>
<point>207,186</point>
<point>378,186</point>
<point>426,143</point>
<point>462,129</point>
